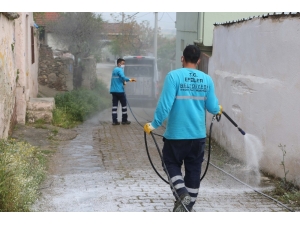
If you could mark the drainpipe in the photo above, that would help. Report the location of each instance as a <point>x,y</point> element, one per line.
<point>200,23</point>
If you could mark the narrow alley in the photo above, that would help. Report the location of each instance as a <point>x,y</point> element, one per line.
<point>106,169</point>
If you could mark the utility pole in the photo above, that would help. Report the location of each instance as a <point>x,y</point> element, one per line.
<point>155,35</point>
<point>155,41</point>
<point>123,16</point>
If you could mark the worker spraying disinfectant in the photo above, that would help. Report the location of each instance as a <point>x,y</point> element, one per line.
<point>186,96</point>
<point>118,79</point>
<point>184,102</point>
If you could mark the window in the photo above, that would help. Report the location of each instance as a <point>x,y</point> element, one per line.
<point>32,45</point>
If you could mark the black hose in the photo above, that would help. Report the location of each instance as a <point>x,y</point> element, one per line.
<point>208,156</point>
<point>209,163</point>
<point>145,138</point>
<point>165,168</point>
<point>209,149</point>
<point>136,118</point>
<point>170,183</point>
<point>253,188</point>
<point>218,118</point>
<point>132,112</point>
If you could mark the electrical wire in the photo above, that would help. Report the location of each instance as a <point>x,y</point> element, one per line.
<point>132,15</point>
<point>170,17</point>
<point>161,16</point>
<point>143,15</point>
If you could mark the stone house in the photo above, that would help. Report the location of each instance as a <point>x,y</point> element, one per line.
<point>45,35</point>
<point>56,64</point>
<point>18,68</point>
<point>57,67</point>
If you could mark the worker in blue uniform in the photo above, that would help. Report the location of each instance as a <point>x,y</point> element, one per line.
<point>186,96</point>
<point>118,80</point>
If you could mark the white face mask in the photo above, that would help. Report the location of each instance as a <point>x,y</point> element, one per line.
<point>122,66</point>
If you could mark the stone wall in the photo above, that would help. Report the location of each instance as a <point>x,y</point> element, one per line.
<point>56,73</point>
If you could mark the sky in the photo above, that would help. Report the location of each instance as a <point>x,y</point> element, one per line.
<point>165,20</point>
<point>143,7</point>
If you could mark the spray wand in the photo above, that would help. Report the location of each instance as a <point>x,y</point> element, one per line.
<point>218,117</point>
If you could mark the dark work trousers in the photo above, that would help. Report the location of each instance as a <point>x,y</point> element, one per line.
<point>116,98</point>
<point>191,154</point>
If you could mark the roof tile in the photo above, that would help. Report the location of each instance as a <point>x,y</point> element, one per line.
<point>42,18</point>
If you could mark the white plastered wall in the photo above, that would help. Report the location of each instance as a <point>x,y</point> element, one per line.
<point>27,85</point>
<point>256,69</point>
<point>7,73</point>
<point>18,75</point>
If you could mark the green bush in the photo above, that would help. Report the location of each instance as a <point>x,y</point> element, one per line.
<point>77,105</point>
<point>62,119</point>
<point>22,169</point>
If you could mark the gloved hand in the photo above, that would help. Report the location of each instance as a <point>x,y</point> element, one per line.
<point>132,80</point>
<point>124,82</point>
<point>221,110</point>
<point>148,128</point>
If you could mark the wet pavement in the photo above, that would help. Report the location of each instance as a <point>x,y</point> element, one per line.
<point>106,169</point>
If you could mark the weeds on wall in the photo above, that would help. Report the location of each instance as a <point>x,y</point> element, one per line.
<point>13,46</point>
<point>285,171</point>
<point>22,169</point>
<point>285,191</point>
<point>74,107</point>
<point>17,77</point>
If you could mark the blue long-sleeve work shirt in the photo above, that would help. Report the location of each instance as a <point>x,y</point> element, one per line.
<point>117,79</point>
<point>186,95</point>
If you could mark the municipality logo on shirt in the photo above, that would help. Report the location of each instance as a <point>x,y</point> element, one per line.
<point>193,87</point>
<point>192,83</point>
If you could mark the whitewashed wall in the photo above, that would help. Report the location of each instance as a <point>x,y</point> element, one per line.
<point>7,73</point>
<point>18,75</point>
<point>256,69</point>
<point>27,85</point>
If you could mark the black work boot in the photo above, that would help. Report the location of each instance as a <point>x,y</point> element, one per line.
<point>116,123</point>
<point>126,122</point>
<point>185,199</point>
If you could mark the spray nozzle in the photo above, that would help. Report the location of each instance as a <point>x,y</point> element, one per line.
<point>243,132</point>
